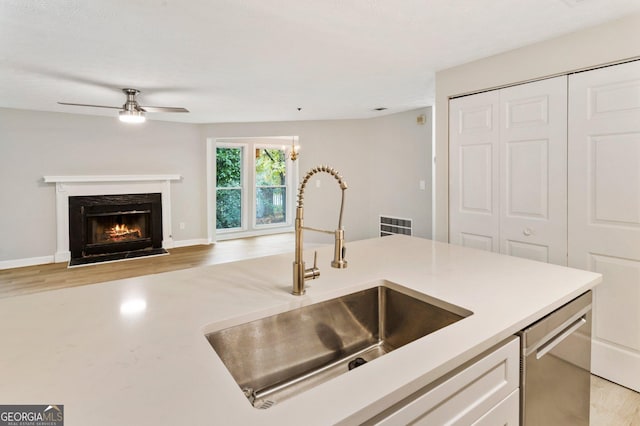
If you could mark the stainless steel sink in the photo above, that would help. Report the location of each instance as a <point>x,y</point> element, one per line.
<point>277,357</point>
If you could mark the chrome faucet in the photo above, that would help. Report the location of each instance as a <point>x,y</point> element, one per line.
<point>300,273</point>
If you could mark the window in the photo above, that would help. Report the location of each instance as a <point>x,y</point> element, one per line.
<point>271,186</point>
<point>228,188</point>
<point>253,186</point>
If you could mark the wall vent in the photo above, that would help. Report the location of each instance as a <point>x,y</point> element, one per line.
<point>395,225</point>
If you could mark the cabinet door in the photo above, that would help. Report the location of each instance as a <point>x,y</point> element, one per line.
<point>473,171</point>
<point>475,393</point>
<point>507,413</point>
<point>533,170</point>
<point>604,210</point>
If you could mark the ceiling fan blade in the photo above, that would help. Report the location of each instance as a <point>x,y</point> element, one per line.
<point>163,109</point>
<point>87,105</point>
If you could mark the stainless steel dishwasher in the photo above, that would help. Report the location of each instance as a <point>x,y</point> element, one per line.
<point>556,367</point>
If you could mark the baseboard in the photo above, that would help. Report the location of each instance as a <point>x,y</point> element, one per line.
<point>223,236</point>
<point>64,257</point>
<point>30,261</point>
<point>616,364</point>
<point>194,242</point>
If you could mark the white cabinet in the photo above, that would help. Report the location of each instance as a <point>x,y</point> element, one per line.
<point>506,413</point>
<point>508,153</point>
<point>483,391</point>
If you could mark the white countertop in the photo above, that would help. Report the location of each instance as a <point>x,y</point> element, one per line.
<point>82,348</point>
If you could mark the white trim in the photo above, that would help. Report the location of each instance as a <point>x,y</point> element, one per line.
<point>193,242</point>
<point>211,190</point>
<point>43,260</point>
<point>68,186</point>
<point>249,227</point>
<point>254,233</point>
<point>110,178</point>
<point>30,261</point>
<point>289,187</point>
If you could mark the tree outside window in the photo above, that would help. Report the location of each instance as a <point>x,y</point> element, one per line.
<point>228,188</point>
<point>271,186</point>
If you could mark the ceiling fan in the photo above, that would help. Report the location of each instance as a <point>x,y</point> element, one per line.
<point>131,111</point>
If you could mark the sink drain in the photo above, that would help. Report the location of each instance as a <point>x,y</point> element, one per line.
<point>356,363</point>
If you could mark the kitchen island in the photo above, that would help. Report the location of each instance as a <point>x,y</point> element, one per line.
<point>133,351</point>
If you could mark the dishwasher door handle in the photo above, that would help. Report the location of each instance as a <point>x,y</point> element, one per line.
<point>558,338</point>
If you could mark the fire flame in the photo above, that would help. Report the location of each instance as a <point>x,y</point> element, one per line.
<point>119,232</point>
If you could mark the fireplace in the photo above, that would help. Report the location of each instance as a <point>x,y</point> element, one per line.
<point>114,227</point>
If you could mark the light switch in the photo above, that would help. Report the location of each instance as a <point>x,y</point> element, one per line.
<point>423,185</point>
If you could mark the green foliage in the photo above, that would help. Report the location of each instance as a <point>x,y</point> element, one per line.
<point>228,208</point>
<point>228,167</point>
<point>228,201</point>
<point>271,205</point>
<point>271,167</point>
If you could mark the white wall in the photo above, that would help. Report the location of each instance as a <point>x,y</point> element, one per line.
<point>381,159</point>
<point>390,153</point>
<point>336,143</point>
<point>610,42</point>
<point>34,144</point>
<point>401,159</point>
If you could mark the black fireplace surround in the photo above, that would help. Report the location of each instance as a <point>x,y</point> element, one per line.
<point>113,227</point>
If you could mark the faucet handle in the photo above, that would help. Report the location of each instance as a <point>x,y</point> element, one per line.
<point>312,273</point>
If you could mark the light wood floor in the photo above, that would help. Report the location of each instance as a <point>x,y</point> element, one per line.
<point>611,405</point>
<point>33,279</point>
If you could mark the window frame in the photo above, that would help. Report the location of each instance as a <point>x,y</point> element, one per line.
<point>289,187</point>
<point>249,226</point>
<point>243,187</point>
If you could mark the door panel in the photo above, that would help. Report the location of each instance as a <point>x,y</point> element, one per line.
<point>527,250</point>
<point>623,328</point>
<point>533,170</point>
<point>615,164</point>
<point>474,132</point>
<point>528,111</point>
<point>527,190</point>
<point>604,210</point>
<point>476,167</point>
<point>481,242</point>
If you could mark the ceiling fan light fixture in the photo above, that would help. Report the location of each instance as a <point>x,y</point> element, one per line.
<point>132,116</point>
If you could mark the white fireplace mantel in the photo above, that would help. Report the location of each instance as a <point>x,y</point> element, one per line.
<point>110,178</point>
<point>71,186</point>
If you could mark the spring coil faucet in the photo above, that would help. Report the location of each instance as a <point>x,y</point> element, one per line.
<point>300,273</point>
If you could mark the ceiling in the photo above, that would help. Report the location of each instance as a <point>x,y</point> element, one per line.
<point>261,60</point>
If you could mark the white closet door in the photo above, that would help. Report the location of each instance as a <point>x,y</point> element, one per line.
<point>533,170</point>
<point>473,171</point>
<point>604,210</point>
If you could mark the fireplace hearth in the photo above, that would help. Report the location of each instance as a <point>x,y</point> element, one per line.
<point>114,227</point>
